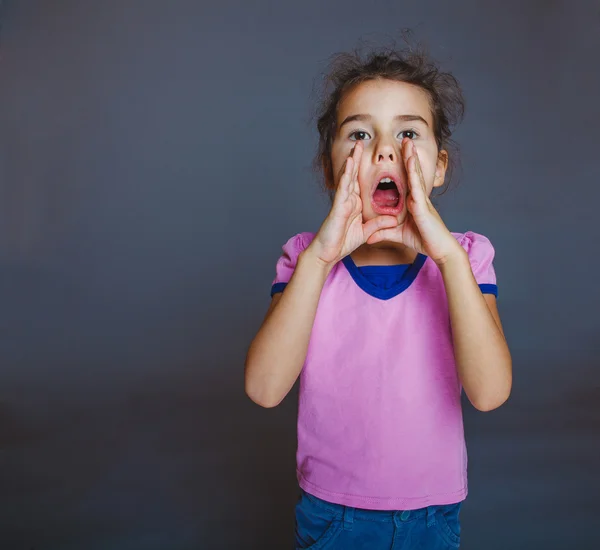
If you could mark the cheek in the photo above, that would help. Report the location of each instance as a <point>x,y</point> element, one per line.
<point>364,171</point>
<point>339,155</point>
<point>428,161</point>
<point>337,159</point>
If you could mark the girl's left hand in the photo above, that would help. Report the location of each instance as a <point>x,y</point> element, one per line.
<point>423,229</point>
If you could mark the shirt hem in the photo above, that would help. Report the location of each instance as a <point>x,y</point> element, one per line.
<point>382,503</point>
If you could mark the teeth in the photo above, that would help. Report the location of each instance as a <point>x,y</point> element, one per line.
<point>386,180</point>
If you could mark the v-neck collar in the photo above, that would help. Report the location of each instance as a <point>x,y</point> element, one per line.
<point>384,293</point>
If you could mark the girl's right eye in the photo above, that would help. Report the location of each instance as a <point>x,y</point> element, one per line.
<point>358,132</point>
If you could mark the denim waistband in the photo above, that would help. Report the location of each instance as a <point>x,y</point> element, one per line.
<point>340,511</point>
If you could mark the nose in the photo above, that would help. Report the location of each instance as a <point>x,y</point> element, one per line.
<point>385,152</point>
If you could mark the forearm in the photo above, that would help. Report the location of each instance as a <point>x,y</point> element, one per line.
<point>277,353</point>
<point>482,356</point>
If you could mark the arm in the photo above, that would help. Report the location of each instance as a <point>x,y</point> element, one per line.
<point>277,353</point>
<point>480,349</point>
<point>482,356</point>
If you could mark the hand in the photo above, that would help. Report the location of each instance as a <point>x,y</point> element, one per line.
<point>343,231</point>
<point>423,229</point>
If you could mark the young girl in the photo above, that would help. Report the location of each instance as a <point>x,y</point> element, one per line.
<point>386,316</point>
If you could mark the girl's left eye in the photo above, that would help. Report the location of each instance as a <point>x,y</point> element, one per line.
<point>412,132</point>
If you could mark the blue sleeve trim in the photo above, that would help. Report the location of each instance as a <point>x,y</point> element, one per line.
<point>489,289</point>
<point>485,289</point>
<point>277,287</point>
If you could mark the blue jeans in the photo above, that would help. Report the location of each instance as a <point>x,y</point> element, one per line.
<point>324,525</point>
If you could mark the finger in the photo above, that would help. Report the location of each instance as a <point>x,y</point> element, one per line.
<point>415,180</point>
<point>418,168</point>
<point>383,235</point>
<point>348,173</point>
<point>407,157</point>
<point>347,168</point>
<point>405,150</point>
<point>358,149</point>
<point>342,190</point>
<point>378,224</point>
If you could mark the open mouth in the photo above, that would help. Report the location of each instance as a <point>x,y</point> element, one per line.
<point>386,197</point>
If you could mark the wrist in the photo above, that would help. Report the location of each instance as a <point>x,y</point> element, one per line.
<point>457,258</point>
<point>309,257</point>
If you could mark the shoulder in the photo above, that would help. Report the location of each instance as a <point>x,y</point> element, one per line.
<point>478,247</point>
<point>297,243</point>
<point>470,239</point>
<point>288,259</point>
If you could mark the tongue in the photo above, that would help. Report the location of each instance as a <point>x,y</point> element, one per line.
<point>388,197</point>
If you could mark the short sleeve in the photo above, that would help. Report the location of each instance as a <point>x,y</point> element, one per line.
<point>481,256</point>
<point>287,261</point>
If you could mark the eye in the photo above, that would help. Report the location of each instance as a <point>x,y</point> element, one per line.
<point>412,135</point>
<point>358,132</point>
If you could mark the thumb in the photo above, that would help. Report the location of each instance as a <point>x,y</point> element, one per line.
<point>378,224</point>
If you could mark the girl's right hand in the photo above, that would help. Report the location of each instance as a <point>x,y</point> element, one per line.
<point>343,231</point>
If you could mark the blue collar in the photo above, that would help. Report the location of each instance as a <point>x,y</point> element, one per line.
<point>384,294</point>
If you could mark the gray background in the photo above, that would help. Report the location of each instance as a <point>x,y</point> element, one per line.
<point>154,157</point>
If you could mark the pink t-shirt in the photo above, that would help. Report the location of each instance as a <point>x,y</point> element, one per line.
<point>379,415</point>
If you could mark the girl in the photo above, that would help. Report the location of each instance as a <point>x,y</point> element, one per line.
<point>386,316</point>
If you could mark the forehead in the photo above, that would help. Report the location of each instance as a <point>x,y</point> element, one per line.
<point>383,99</point>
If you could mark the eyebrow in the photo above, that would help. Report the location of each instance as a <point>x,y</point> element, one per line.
<point>397,117</point>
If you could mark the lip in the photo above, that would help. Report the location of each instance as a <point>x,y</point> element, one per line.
<point>388,210</point>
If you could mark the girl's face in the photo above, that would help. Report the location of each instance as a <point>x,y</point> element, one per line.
<point>380,113</point>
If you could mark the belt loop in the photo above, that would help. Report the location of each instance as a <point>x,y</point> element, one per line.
<point>348,518</point>
<point>430,515</point>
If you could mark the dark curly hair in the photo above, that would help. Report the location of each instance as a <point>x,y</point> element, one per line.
<point>410,65</point>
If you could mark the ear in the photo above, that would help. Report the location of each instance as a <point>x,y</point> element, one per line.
<point>440,168</point>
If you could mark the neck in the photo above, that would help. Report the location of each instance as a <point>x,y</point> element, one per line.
<point>383,253</point>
